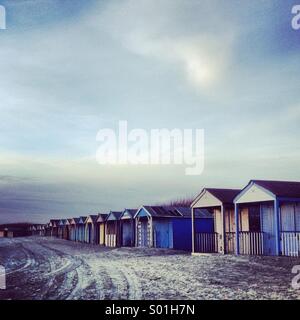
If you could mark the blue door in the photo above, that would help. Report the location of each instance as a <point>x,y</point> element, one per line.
<point>126,233</point>
<point>268,228</point>
<point>161,233</point>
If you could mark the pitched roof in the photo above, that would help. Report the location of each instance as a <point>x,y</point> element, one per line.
<point>288,189</point>
<point>131,213</point>
<point>54,221</point>
<point>102,217</point>
<point>93,217</point>
<point>224,195</point>
<point>168,211</point>
<point>114,215</point>
<point>82,220</point>
<point>75,220</point>
<point>62,222</point>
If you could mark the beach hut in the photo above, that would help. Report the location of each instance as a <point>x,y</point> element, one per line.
<point>69,228</point>
<point>53,224</point>
<point>169,227</point>
<point>101,219</point>
<point>112,229</point>
<point>91,232</point>
<point>73,229</point>
<point>267,215</point>
<point>32,230</point>
<point>80,230</point>
<point>128,228</point>
<point>14,230</point>
<point>46,229</point>
<point>219,202</point>
<point>60,230</point>
<point>39,230</point>
<point>66,229</point>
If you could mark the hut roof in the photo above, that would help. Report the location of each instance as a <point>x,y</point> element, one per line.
<point>288,189</point>
<point>92,217</point>
<point>128,213</point>
<point>102,217</point>
<point>114,215</point>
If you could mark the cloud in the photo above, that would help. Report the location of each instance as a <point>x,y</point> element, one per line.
<point>154,30</point>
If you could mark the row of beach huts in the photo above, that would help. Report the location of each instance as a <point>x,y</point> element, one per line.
<point>263,218</point>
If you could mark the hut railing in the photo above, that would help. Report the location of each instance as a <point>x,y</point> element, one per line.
<point>251,243</point>
<point>290,243</point>
<point>206,242</point>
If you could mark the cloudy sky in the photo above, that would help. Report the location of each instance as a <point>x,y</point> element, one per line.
<point>71,67</point>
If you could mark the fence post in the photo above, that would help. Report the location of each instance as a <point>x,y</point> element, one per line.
<point>237,227</point>
<point>277,226</point>
<point>223,219</point>
<point>193,230</point>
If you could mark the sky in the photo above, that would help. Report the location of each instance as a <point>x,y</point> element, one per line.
<point>69,68</point>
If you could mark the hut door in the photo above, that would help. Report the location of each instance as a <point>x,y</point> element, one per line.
<point>102,233</point>
<point>126,233</point>
<point>161,234</point>
<point>268,228</point>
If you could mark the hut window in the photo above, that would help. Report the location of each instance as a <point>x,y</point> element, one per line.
<point>254,219</point>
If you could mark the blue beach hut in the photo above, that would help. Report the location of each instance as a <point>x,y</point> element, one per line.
<point>168,227</point>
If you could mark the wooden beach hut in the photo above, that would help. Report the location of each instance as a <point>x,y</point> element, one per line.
<point>63,229</point>
<point>101,219</point>
<point>69,228</point>
<point>73,229</point>
<point>127,226</point>
<point>54,227</point>
<point>80,230</point>
<point>112,229</point>
<point>47,229</point>
<point>32,230</point>
<point>91,232</point>
<point>219,202</point>
<point>169,227</point>
<point>267,215</point>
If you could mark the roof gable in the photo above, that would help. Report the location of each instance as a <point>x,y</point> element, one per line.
<point>102,217</point>
<point>91,219</point>
<point>62,222</point>
<point>128,214</point>
<point>212,197</point>
<point>81,220</point>
<point>254,193</point>
<point>114,215</point>
<point>75,220</point>
<point>285,189</point>
<point>206,199</point>
<point>163,211</point>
